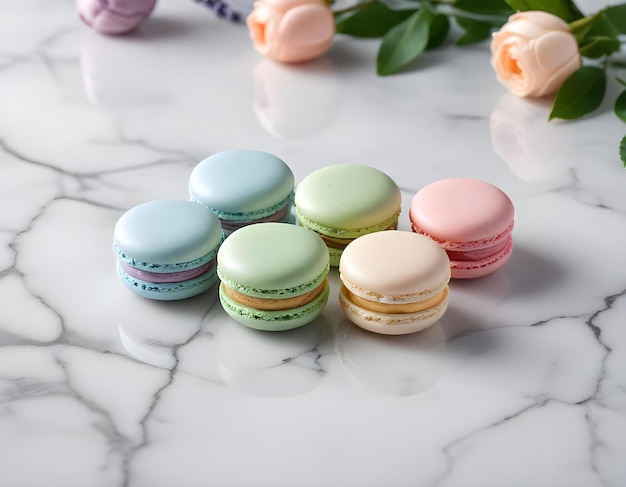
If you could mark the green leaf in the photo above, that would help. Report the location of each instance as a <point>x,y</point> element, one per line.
<point>581,27</point>
<point>566,9</point>
<point>475,30</point>
<point>620,81</point>
<point>439,29</point>
<point>602,26</point>
<point>595,47</point>
<point>404,42</point>
<point>484,7</point>
<point>620,106</point>
<point>372,20</point>
<point>580,94</point>
<point>622,151</point>
<point>616,15</point>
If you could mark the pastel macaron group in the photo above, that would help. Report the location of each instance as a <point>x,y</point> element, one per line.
<point>166,249</point>
<point>238,229</point>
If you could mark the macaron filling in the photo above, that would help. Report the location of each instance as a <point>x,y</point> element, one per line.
<point>474,251</point>
<point>282,319</point>
<point>273,293</point>
<point>280,216</point>
<point>394,307</point>
<point>347,234</point>
<point>270,304</point>
<point>167,277</point>
<point>248,216</point>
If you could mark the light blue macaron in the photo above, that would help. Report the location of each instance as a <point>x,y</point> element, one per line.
<point>166,249</point>
<point>243,187</point>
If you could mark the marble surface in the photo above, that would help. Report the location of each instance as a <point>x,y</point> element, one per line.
<point>521,383</point>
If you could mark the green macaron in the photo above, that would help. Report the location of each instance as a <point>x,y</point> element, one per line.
<point>273,276</point>
<point>344,202</point>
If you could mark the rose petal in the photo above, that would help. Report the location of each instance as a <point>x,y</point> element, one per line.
<point>524,28</point>
<point>554,49</point>
<point>307,25</point>
<point>557,79</point>
<point>541,19</point>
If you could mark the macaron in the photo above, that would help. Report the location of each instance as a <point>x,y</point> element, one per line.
<point>470,219</point>
<point>243,187</point>
<point>344,202</point>
<point>114,16</point>
<point>394,282</point>
<point>273,276</point>
<point>166,249</point>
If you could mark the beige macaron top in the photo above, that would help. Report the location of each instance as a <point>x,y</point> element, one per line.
<point>394,267</point>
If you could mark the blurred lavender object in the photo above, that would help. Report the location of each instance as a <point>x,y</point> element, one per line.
<point>233,11</point>
<point>114,16</point>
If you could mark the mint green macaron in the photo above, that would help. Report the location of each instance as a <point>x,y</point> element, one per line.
<point>344,202</point>
<point>273,276</point>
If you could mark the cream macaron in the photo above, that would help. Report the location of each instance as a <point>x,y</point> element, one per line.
<point>394,282</point>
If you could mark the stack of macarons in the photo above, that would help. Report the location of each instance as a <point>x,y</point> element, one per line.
<point>167,249</point>
<point>239,228</point>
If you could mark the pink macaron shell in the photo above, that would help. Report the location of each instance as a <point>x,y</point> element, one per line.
<point>462,210</point>
<point>114,16</point>
<point>472,220</point>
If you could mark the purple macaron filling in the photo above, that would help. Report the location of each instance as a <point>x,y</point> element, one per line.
<point>167,277</point>
<point>280,216</point>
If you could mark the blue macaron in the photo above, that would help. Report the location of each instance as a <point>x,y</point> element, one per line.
<point>166,249</point>
<point>243,187</point>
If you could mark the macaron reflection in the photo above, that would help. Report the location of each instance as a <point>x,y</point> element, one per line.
<point>295,101</point>
<point>273,364</point>
<point>392,365</point>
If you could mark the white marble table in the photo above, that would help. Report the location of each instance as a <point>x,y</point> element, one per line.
<point>522,383</point>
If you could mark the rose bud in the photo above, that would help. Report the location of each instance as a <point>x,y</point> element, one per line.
<point>533,53</point>
<point>291,31</point>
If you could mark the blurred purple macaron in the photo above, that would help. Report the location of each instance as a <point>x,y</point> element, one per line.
<point>114,16</point>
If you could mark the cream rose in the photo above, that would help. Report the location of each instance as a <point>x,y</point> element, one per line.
<point>533,53</point>
<point>291,31</point>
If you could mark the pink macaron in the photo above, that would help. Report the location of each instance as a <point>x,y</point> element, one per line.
<point>472,220</point>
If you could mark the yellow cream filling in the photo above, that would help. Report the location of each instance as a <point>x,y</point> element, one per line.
<point>390,308</point>
<point>274,304</point>
<point>342,243</point>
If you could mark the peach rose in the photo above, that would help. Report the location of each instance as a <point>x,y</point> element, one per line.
<point>291,31</point>
<point>533,53</point>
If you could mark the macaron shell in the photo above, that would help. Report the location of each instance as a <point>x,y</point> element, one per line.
<point>168,291</point>
<point>273,260</point>
<point>392,324</point>
<point>394,267</point>
<point>343,200</point>
<point>167,232</point>
<point>461,210</point>
<point>242,184</point>
<point>275,320</point>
